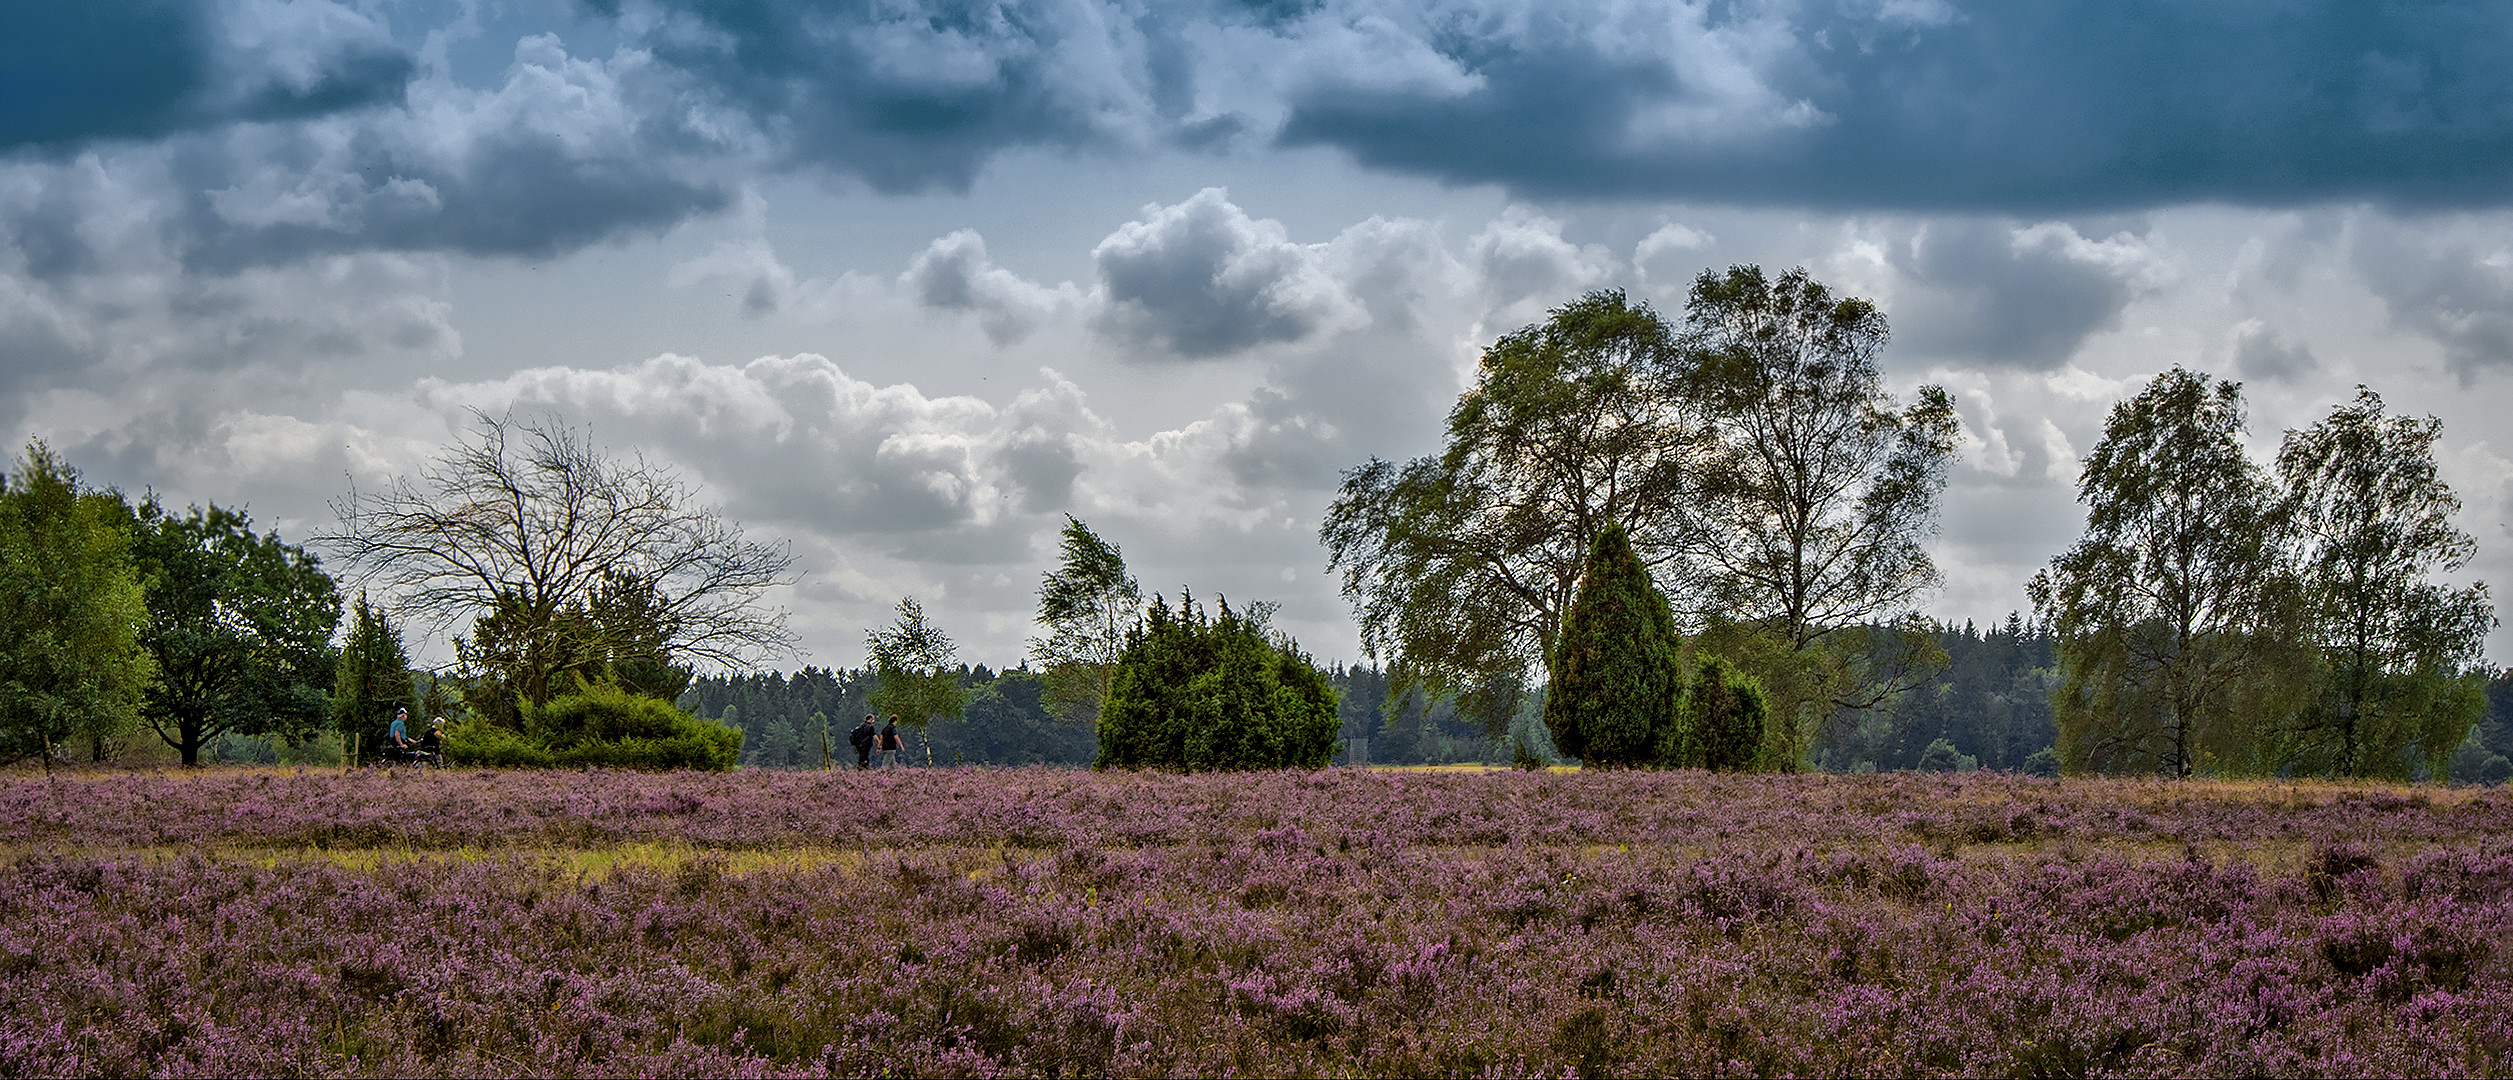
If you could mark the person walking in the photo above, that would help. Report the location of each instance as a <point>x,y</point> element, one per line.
<point>890,744</point>
<point>861,738</point>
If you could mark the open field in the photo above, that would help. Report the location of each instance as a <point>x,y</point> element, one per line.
<point>1386,922</point>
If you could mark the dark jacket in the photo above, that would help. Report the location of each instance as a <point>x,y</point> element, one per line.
<point>862,737</point>
<point>890,737</point>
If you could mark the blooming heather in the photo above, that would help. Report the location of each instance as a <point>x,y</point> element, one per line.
<point>984,922</point>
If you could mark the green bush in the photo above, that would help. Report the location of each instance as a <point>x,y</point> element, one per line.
<point>1724,715</point>
<point>603,725</point>
<point>1616,682</point>
<point>1197,694</point>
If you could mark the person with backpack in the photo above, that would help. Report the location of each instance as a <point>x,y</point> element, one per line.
<point>861,738</point>
<point>890,743</point>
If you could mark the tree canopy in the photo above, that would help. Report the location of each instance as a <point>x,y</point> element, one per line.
<point>2365,521</point>
<point>72,612</point>
<point>240,626</point>
<point>1752,456</point>
<point>2218,618</point>
<point>1087,603</point>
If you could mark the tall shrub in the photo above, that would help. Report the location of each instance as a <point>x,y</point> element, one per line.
<point>1617,677</point>
<point>1199,694</point>
<point>1724,714</point>
<point>602,725</point>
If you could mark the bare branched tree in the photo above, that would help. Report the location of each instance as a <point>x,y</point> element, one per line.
<point>530,523</point>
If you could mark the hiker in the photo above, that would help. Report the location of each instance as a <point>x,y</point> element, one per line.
<point>890,744</point>
<point>862,740</point>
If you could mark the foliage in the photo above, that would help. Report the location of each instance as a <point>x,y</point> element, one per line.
<point>72,611</point>
<point>1026,922</point>
<point>1196,694</point>
<point>1722,721</point>
<point>1616,684</point>
<point>1460,567</point>
<point>913,659</point>
<point>372,679</point>
<point>1990,700</point>
<point>601,726</point>
<point>1754,459</point>
<point>573,566</point>
<point>2366,521</point>
<point>1941,756</point>
<point>2214,620</point>
<point>240,626</point>
<point>1825,489</point>
<point>1087,604</point>
<point>2166,610</point>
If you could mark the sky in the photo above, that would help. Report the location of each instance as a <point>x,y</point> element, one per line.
<point>902,284</point>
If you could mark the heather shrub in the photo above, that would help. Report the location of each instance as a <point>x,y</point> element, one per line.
<point>1615,684</point>
<point>602,725</point>
<point>1037,922</point>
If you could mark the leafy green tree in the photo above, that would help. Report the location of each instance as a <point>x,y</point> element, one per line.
<point>1460,567</point>
<point>1761,471</point>
<point>1087,603</point>
<point>2166,611</point>
<point>72,612</point>
<point>240,626</point>
<point>1200,694</point>
<point>1617,677</point>
<point>1723,718</point>
<point>2368,522</point>
<point>1821,496</point>
<point>372,679</point>
<point>913,659</point>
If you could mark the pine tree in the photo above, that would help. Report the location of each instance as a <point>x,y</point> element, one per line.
<point>1616,679</point>
<point>373,679</point>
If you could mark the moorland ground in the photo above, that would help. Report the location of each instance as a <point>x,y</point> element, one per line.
<point>985,921</point>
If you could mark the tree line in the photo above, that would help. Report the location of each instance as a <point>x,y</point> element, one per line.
<point>2224,617</point>
<point>1684,534</point>
<point>1773,494</point>
<point>1694,542</point>
<point>579,589</point>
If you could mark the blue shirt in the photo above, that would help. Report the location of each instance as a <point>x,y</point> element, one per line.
<point>399,733</point>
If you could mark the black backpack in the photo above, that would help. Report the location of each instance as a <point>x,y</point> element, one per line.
<point>861,737</point>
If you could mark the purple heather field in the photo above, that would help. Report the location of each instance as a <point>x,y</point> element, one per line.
<point>1038,922</point>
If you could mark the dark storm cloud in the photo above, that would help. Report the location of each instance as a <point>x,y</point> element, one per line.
<point>1998,296</point>
<point>2458,295</point>
<point>918,96</point>
<point>566,151</point>
<point>2026,105</point>
<point>75,73</point>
